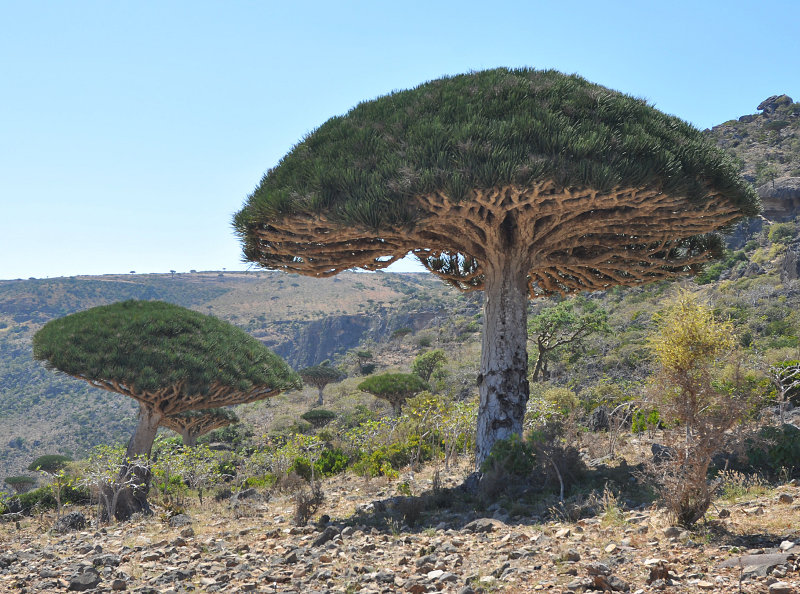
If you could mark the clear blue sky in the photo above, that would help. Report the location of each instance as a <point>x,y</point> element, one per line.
<point>130,132</point>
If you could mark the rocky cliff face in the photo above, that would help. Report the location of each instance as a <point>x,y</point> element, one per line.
<point>767,147</point>
<point>317,340</point>
<point>781,198</point>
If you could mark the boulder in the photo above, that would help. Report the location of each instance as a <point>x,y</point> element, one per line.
<point>87,580</point>
<point>598,420</point>
<point>770,104</point>
<point>661,453</point>
<point>69,522</point>
<point>790,267</point>
<point>780,198</point>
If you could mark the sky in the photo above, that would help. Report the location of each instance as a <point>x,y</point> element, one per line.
<point>131,132</point>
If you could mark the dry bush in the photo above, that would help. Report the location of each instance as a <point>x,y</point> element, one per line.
<point>307,502</point>
<point>702,391</point>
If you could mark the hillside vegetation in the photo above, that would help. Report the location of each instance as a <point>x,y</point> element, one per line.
<point>395,318</point>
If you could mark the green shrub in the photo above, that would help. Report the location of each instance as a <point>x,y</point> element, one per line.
<point>43,498</point>
<point>776,125</point>
<point>332,462</point>
<point>643,421</point>
<point>751,245</point>
<point>264,481</point>
<point>358,416</point>
<point>401,332</point>
<point>236,435</point>
<point>386,460</point>
<point>424,341</point>
<point>781,232</point>
<point>301,467</point>
<point>512,456</point>
<point>782,450</point>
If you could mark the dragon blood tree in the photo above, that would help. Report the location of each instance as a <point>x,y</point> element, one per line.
<point>519,182</point>
<point>320,376</point>
<point>167,358</point>
<point>193,423</point>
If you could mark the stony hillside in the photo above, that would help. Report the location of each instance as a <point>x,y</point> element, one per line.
<point>363,543</point>
<point>767,146</point>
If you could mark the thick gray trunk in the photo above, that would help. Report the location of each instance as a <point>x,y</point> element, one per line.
<point>133,499</point>
<point>319,400</point>
<point>503,381</point>
<point>142,441</point>
<point>189,438</point>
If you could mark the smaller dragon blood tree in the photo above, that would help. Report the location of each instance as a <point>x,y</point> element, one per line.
<point>193,423</point>
<point>169,359</point>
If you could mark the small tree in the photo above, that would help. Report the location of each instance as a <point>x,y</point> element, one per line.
<point>363,358</point>
<point>169,359</point>
<point>425,364</point>
<point>320,376</point>
<point>566,323</point>
<point>101,476</point>
<point>395,388</point>
<point>200,470</point>
<point>193,423</point>
<point>785,377</point>
<point>21,483</point>
<point>54,467</point>
<point>691,348</point>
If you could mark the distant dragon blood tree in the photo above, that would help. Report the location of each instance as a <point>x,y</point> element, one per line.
<point>168,358</point>
<point>193,423</point>
<point>320,376</point>
<point>395,388</point>
<point>522,183</point>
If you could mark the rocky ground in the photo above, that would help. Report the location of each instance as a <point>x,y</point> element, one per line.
<point>362,544</point>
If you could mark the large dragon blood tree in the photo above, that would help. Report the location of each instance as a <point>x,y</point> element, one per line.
<point>522,183</point>
<point>169,359</point>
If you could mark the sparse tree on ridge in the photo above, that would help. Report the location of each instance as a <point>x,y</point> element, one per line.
<point>561,325</point>
<point>519,182</point>
<point>168,358</point>
<point>425,364</point>
<point>320,376</point>
<point>193,423</point>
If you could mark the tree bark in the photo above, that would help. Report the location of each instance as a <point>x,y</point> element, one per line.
<point>503,382</point>
<point>189,438</point>
<point>319,400</point>
<point>133,499</point>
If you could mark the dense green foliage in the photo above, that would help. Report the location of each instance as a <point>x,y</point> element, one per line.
<point>426,363</point>
<point>392,383</point>
<point>514,456</point>
<point>20,483</point>
<point>150,345</point>
<point>782,451</point>
<point>42,499</point>
<point>561,326</point>
<point>482,130</point>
